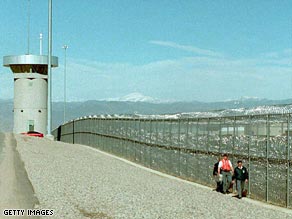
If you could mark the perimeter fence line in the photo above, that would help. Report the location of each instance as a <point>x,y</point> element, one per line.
<point>189,147</point>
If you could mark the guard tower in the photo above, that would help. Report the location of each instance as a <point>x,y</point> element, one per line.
<point>30,91</point>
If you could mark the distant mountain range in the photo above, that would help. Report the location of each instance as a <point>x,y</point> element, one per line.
<point>130,105</point>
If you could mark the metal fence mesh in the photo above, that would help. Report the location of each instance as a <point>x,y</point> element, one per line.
<point>189,147</point>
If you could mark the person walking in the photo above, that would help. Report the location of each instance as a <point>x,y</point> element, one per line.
<point>218,178</point>
<point>225,168</point>
<point>241,177</point>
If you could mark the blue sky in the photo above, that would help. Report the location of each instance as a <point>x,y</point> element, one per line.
<point>169,50</point>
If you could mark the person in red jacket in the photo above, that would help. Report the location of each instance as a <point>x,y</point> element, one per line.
<point>225,168</point>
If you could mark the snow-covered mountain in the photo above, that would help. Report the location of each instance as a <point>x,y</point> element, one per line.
<point>245,99</point>
<point>136,97</point>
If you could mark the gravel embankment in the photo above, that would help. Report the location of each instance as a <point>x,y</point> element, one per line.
<point>79,182</point>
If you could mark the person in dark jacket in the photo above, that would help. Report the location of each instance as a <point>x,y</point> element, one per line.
<point>241,177</point>
<point>218,179</point>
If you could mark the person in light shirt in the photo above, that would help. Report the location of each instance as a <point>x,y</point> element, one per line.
<point>225,168</point>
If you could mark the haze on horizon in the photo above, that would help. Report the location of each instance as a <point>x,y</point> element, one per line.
<point>168,50</point>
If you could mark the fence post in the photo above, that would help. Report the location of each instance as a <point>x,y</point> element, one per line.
<point>135,138</point>
<point>121,143</point>
<point>97,130</point>
<point>73,131</point>
<point>288,163</point>
<point>170,132</point>
<point>249,160</point>
<point>208,134</point>
<point>163,132</point>
<point>150,141</point>
<point>155,141</point>
<point>100,124</point>
<point>157,133</point>
<point>178,142</point>
<point>233,139</point>
<point>197,134</point>
<point>187,146</point>
<point>126,142</point>
<point>267,156</point>
<point>103,138</point>
<point>139,139</point>
<point>170,143</point>
<point>220,135</point>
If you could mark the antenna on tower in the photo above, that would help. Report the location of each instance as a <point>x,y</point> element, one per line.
<point>41,43</point>
<point>28,24</point>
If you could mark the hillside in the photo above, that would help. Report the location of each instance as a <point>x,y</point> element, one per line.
<point>93,107</point>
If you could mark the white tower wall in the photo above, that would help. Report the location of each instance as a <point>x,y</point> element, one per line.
<point>30,91</point>
<point>30,104</point>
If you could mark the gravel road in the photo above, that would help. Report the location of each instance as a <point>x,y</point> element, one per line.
<point>80,182</point>
<point>16,190</point>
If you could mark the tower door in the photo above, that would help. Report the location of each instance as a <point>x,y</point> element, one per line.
<point>30,125</point>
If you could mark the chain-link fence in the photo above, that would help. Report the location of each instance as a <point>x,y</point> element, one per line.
<point>189,147</point>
